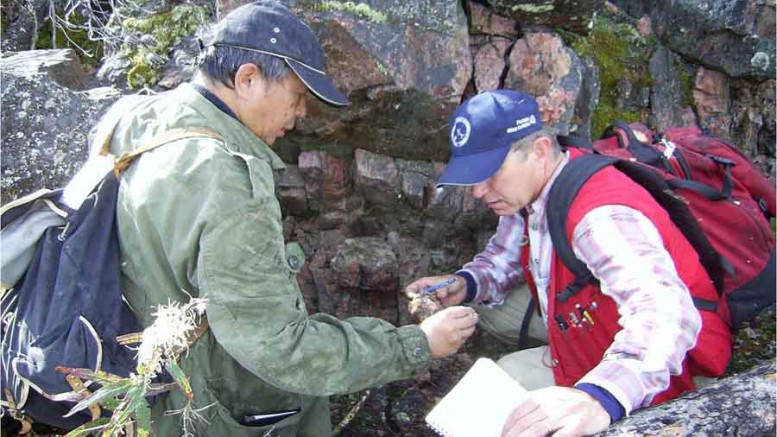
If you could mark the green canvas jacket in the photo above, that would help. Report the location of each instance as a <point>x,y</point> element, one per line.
<point>199,217</point>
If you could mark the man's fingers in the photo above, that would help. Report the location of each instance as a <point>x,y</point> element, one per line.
<point>567,430</point>
<point>413,289</point>
<point>526,407</point>
<point>467,333</point>
<point>463,320</point>
<point>539,429</point>
<point>458,312</point>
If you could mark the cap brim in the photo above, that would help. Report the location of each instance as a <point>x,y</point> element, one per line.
<point>318,83</point>
<point>473,169</point>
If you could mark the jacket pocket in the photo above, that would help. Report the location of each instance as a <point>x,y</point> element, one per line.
<point>231,427</point>
<point>223,423</point>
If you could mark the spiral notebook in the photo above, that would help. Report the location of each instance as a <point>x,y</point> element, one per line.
<point>479,404</point>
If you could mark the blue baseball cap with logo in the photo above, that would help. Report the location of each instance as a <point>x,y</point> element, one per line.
<point>482,130</point>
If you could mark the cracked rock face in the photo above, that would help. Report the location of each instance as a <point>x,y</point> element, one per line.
<point>574,15</point>
<point>733,36</point>
<point>45,125</point>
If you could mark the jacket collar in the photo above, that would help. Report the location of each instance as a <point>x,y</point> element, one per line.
<point>238,138</point>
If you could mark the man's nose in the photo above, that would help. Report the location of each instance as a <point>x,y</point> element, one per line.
<point>302,109</point>
<point>479,190</point>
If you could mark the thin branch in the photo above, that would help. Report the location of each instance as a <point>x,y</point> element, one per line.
<point>351,414</point>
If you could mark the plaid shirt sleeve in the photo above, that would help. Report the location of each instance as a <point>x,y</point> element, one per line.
<point>624,250</point>
<point>497,269</point>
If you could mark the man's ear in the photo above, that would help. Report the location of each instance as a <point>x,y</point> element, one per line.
<point>542,147</point>
<point>245,78</point>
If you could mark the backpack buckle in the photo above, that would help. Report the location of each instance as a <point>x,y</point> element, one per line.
<point>669,147</point>
<point>63,235</point>
<point>16,414</point>
<point>721,160</point>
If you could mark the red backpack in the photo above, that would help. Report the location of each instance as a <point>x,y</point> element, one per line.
<point>717,198</point>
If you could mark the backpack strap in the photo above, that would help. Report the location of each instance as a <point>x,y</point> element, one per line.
<point>661,190</point>
<point>105,137</point>
<point>13,410</point>
<point>562,193</point>
<point>706,190</point>
<point>576,141</point>
<point>568,184</point>
<point>641,151</point>
<point>523,333</point>
<point>122,163</point>
<point>125,160</point>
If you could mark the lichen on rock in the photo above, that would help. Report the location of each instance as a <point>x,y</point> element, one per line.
<point>157,34</point>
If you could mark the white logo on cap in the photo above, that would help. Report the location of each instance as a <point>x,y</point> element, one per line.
<point>522,123</point>
<point>460,131</point>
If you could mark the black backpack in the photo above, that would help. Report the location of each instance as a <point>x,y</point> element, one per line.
<point>67,310</point>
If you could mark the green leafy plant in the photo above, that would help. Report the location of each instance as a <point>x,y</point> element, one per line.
<point>162,344</point>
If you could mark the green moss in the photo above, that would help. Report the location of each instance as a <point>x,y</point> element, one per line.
<point>359,9</point>
<point>90,52</point>
<point>686,87</point>
<point>423,15</point>
<point>606,113</point>
<point>142,73</point>
<point>620,52</point>
<point>167,28</point>
<point>754,342</point>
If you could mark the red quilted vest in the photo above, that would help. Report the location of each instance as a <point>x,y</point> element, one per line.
<point>580,347</point>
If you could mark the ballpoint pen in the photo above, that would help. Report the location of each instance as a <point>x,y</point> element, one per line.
<point>437,286</point>
<point>584,315</point>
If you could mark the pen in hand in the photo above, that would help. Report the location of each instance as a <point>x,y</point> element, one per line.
<point>437,286</point>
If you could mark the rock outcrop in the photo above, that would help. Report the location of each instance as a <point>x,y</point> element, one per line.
<point>358,193</point>
<point>46,119</point>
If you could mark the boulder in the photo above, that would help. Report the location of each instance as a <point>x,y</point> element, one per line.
<point>742,405</point>
<point>45,124</point>
<point>21,22</point>
<point>666,97</point>
<point>404,67</point>
<point>736,37</point>
<point>542,65</point>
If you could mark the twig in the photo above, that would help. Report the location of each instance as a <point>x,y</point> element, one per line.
<point>351,414</point>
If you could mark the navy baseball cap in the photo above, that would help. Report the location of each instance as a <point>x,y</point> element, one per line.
<point>269,27</point>
<point>482,130</point>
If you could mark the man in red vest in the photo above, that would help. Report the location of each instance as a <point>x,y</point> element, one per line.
<point>632,340</point>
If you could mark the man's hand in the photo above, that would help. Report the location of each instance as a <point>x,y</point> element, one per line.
<point>560,411</point>
<point>451,295</point>
<point>447,330</point>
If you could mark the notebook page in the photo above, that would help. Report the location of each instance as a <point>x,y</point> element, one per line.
<point>479,404</point>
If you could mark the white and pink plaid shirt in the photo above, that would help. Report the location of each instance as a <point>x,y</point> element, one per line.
<point>624,250</point>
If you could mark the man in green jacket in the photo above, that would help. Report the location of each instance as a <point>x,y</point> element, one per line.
<point>199,217</point>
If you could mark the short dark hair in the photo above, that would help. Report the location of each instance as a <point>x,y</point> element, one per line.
<point>220,64</point>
